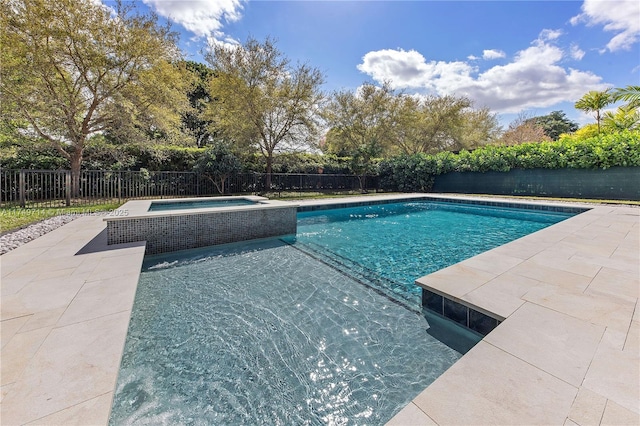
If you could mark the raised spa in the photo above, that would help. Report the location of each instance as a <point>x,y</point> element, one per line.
<point>179,224</point>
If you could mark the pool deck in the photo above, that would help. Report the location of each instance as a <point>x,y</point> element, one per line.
<point>567,353</point>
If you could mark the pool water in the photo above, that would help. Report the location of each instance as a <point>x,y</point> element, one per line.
<point>393,244</point>
<point>286,332</point>
<point>181,205</point>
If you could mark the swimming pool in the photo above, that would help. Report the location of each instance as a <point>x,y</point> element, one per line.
<point>321,329</point>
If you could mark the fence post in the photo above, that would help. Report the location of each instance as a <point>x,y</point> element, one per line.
<point>21,186</point>
<point>119,185</point>
<point>67,187</point>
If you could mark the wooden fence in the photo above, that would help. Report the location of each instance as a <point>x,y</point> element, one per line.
<point>49,188</point>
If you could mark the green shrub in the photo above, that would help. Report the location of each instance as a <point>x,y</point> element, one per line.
<point>408,173</point>
<point>164,157</point>
<point>622,148</point>
<point>36,156</point>
<point>217,163</point>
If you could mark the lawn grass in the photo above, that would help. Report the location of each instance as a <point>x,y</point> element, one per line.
<point>297,195</point>
<point>13,218</point>
<point>567,200</point>
<point>319,195</point>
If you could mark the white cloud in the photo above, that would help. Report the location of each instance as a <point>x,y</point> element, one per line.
<point>493,54</point>
<point>220,39</point>
<point>472,58</point>
<point>534,78</point>
<point>576,52</point>
<point>406,69</point>
<point>201,17</point>
<point>549,35</point>
<point>620,16</point>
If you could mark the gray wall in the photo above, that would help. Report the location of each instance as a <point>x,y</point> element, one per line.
<point>616,183</point>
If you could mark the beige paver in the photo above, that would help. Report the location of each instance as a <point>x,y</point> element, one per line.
<point>588,408</point>
<point>411,415</point>
<point>91,412</point>
<point>489,386</point>
<point>493,263</point>
<point>66,303</point>
<point>615,374</point>
<point>42,319</point>
<point>632,340</point>
<point>616,415</point>
<point>615,284</point>
<point>552,275</point>
<point>457,280</point>
<point>10,327</point>
<point>75,363</point>
<point>613,313</point>
<point>554,342</point>
<point>42,295</point>
<point>89,302</point>
<point>17,353</point>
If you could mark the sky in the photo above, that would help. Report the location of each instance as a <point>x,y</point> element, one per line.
<point>514,57</point>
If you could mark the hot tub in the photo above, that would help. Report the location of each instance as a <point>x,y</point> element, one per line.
<point>185,223</point>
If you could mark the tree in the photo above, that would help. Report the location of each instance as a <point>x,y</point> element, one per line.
<point>523,129</point>
<point>199,98</point>
<point>151,111</point>
<point>261,100</point>
<point>594,101</point>
<point>442,122</point>
<point>376,117</point>
<point>361,121</point>
<point>630,94</point>
<point>361,162</point>
<point>555,123</point>
<point>625,117</point>
<point>480,127</point>
<point>73,68</point>
<point>217,163</point>
<point>447,123</point>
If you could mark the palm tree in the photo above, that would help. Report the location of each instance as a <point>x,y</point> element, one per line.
<point>594,101</point>
<point>630,94</point>
<point>626,117</point>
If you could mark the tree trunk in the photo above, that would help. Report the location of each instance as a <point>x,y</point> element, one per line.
<point>269,168</point>
<point>76,162</point>
<point>361,180</point>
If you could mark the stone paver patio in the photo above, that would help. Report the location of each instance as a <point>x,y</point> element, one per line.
<point>567,352</point>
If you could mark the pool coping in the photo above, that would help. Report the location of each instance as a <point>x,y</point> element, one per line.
<point>139,209</point>
<point>67,298</point>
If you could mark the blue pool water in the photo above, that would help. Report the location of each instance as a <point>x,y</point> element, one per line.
<point>393,244</point>
<point>322,329</point>
<point>204,204</point>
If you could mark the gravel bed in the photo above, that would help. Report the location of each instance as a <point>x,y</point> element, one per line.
<point>15,239</point>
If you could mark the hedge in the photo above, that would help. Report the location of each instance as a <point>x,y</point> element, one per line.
<point>102,155</point>
<point>402,173</point>
<point>416,173</point>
